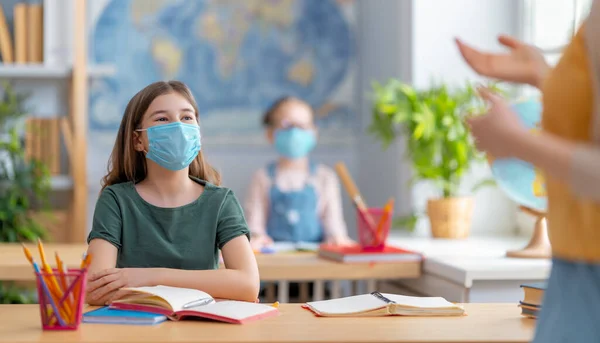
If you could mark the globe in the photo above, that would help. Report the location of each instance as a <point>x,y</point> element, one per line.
<point>520,180</point>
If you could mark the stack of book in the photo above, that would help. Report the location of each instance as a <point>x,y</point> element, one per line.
<point>26,44</point>
<point>532,300</point>
<point>356,254</point>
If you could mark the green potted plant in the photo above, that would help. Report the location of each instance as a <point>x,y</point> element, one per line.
<point>438,145</point>
<point>24,184</point>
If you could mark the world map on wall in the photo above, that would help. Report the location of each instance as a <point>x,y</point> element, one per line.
<point>237,57</point>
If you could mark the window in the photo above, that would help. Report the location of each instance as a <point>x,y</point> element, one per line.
<point>550,24</point>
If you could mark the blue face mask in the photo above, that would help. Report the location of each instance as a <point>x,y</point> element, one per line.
<point>294,143</point>
<point>173,146</point>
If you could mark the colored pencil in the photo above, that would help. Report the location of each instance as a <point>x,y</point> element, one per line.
<point>63,272</point>
<point>45,287</point>
<point>387,211</point>
<point>85,263</point>
<point>355,195</point>
<point>52,283</point>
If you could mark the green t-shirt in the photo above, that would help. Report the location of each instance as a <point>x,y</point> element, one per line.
<point>187,237</point>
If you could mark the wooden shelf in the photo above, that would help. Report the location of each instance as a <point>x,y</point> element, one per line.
<point>101,70</point>
<point>41,71</point>
<point>61,183</point>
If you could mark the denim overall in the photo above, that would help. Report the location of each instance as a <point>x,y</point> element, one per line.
<point>293,215</point>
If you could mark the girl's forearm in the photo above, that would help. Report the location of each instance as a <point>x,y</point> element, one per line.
<point>221,283</point>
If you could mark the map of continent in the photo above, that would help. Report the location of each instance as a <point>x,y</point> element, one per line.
<point>237,57</point>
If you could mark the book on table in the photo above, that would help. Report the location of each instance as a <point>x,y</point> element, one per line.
<point>383,304</point>
<point>355,253</point>
<point>177,303</point>
<point>533,294</point>
<point>106,315</point>
<point>289,247</point>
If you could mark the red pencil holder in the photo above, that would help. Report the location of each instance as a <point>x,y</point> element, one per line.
<point>61,298</point>
<point>373,233</point>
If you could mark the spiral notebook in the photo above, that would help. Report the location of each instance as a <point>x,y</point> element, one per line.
<point>383,304</point>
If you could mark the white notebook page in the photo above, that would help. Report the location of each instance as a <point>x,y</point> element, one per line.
<point>237,310</point>
<point>352,304</point>
<point>420,302</point>
<point>175,296</point>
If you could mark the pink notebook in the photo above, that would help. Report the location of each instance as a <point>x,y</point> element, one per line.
<point>178,303</point>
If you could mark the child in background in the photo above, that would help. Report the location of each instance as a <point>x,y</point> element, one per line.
<point>294,199</point>
<point>162,217</point>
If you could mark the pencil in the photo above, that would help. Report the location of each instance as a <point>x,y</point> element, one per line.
<point>85,263</point>
<point>45,288</point>
<point>52,283</point>
<point>62,272</point>
<point>62,276</point>
<point>387,210</point>
<point>355,195</point>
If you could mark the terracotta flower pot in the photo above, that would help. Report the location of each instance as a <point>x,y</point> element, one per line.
<point>450,217</point>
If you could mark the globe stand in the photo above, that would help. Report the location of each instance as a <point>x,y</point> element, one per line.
<point>539,244</point>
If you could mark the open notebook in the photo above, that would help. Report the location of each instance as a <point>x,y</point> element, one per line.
<point>177,303</point>
<point>383,304</point>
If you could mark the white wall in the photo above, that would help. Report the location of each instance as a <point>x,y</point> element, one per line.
<point>384,44</point>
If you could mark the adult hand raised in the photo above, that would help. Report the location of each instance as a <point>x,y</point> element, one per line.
<point>523,63</point>
<point>498,131</point>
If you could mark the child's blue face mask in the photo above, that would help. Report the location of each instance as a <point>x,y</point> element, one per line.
<point>294,142</point>
<point>173,146</point>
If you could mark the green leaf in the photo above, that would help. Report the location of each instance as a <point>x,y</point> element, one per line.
<point>24,184</point>
<point>418,133</point>
<point>431,122</point>
<point>408,222</point>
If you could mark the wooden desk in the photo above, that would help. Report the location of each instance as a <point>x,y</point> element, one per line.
<point>484,323</point>
<point>280,268</point>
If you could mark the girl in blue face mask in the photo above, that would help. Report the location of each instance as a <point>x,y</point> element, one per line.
<point>162,218</point>
<point>293,199</point>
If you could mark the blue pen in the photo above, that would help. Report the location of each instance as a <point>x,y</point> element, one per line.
<point>267,250</point>
<point>48,295</point>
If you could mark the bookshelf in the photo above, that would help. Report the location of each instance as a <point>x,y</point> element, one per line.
<point>65,65</point>
<point>41,71</point>
<point>61,183</point>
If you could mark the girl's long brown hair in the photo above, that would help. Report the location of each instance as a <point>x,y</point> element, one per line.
<point>127,164</point>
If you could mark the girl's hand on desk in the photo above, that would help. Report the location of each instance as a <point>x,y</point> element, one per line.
<point>103,286</point>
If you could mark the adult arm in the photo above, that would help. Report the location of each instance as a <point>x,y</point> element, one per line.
<point>522,63</point>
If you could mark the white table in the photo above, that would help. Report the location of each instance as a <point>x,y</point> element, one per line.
<point>474,269</point>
